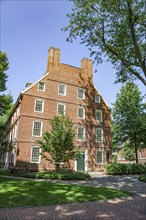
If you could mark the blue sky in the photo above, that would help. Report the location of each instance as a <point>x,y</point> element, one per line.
<point>29,29</point>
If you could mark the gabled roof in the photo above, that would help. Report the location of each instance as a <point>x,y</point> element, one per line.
<point>23,92</point>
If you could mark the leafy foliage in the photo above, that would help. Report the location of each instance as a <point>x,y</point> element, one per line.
<point>129,118</point>
<point>58,142</point>
<point>115,29</point>
<point>128,153</point>
<point>120,168</point>
<point>142,178</point>
<point>5,100</point>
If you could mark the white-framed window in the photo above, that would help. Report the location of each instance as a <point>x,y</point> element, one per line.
<point>81,112</point>
<point>62,89</point>
<point>99,135</point>
<point>98,115</point>
<point>39,105</point>
<point>35,154</point>
<point>60,109</point>
<point>37,128</point>
<point>41,86</point>
<point>81,133</point>
<point>143,154</point>
<point>81,93</point>
<point>97,99</point>
<point>99,157</point>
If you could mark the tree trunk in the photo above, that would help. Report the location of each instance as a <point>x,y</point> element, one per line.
<point>135,144</point>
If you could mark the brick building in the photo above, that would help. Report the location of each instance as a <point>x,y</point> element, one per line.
<point>68,89</point>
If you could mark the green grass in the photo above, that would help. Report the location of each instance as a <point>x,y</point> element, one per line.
<point>16,193</point>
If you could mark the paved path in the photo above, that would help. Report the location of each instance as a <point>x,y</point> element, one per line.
<point>131,208</point>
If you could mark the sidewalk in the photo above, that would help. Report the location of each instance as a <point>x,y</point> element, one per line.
<point>116,209</point>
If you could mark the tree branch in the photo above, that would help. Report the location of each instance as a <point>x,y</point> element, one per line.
<point>124,61</point>
<point>133,35</point>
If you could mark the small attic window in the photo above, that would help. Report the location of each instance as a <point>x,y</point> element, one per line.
<point>97,99</point>
<point>41,86</point>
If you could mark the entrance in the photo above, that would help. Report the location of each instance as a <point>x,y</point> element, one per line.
<point>81,162</point>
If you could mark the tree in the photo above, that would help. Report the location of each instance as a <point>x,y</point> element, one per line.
<point>5,100</point>
<point>5,104</point>
<point>129,153</point>
<point>114,28</point>
<point>58,141</point>
<point>129,118</point>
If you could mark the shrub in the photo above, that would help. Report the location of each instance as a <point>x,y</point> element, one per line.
<point>61,175</point>
<point>142,178</point>
<point>119,168</point>
<point>5,172</point>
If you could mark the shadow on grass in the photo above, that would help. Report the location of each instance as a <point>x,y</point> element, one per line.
<point>16,193</point>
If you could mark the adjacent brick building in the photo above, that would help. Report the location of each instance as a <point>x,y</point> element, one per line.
<point>68,89</point>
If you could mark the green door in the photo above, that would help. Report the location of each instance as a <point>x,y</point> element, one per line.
<point>81,162</point>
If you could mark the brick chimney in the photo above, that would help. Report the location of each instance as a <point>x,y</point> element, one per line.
<point>86,65</point>
<point>53,58</point>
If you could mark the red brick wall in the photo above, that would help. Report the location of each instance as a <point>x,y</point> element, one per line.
<point>73,78</point>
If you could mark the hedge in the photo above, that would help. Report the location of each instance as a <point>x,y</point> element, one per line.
<point>142,178</point>
<point>62,175</point>
<point>120,168</point>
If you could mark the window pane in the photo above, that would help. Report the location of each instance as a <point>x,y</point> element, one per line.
<point>41,86</point>
<point>37,128</point>
<point>99,135</point>
<point>81,112</point>
<point>97,99</point>
<point>35,154</point>
<point>80,93</point>
<point>61,109</point>
<point>81,132</point>
<point>61,89</point>
<point>98,115</point>
<point>99,156</point>
<point>38,106</point>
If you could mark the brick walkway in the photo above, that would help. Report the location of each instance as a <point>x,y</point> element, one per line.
<point>131,208</point>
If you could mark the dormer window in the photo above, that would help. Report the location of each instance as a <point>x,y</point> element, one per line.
<point>41,86</point>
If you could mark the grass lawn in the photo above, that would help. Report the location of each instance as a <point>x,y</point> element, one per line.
<point>14,192</point>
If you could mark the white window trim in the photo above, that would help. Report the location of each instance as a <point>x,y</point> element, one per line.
<point>83,94</point>
<point>101,116</point>
<point>33,129</point>
<point>102,156</point>
<point>64,108</point>
<point>42,105</point>
<point>39,155</point>
<point>44,87</point>
<point>83,112</point>
<point>96,100</point>
<point>64,89</point>
<point>101,137</point>
<point>141,156</point>
<point>83,133</point>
